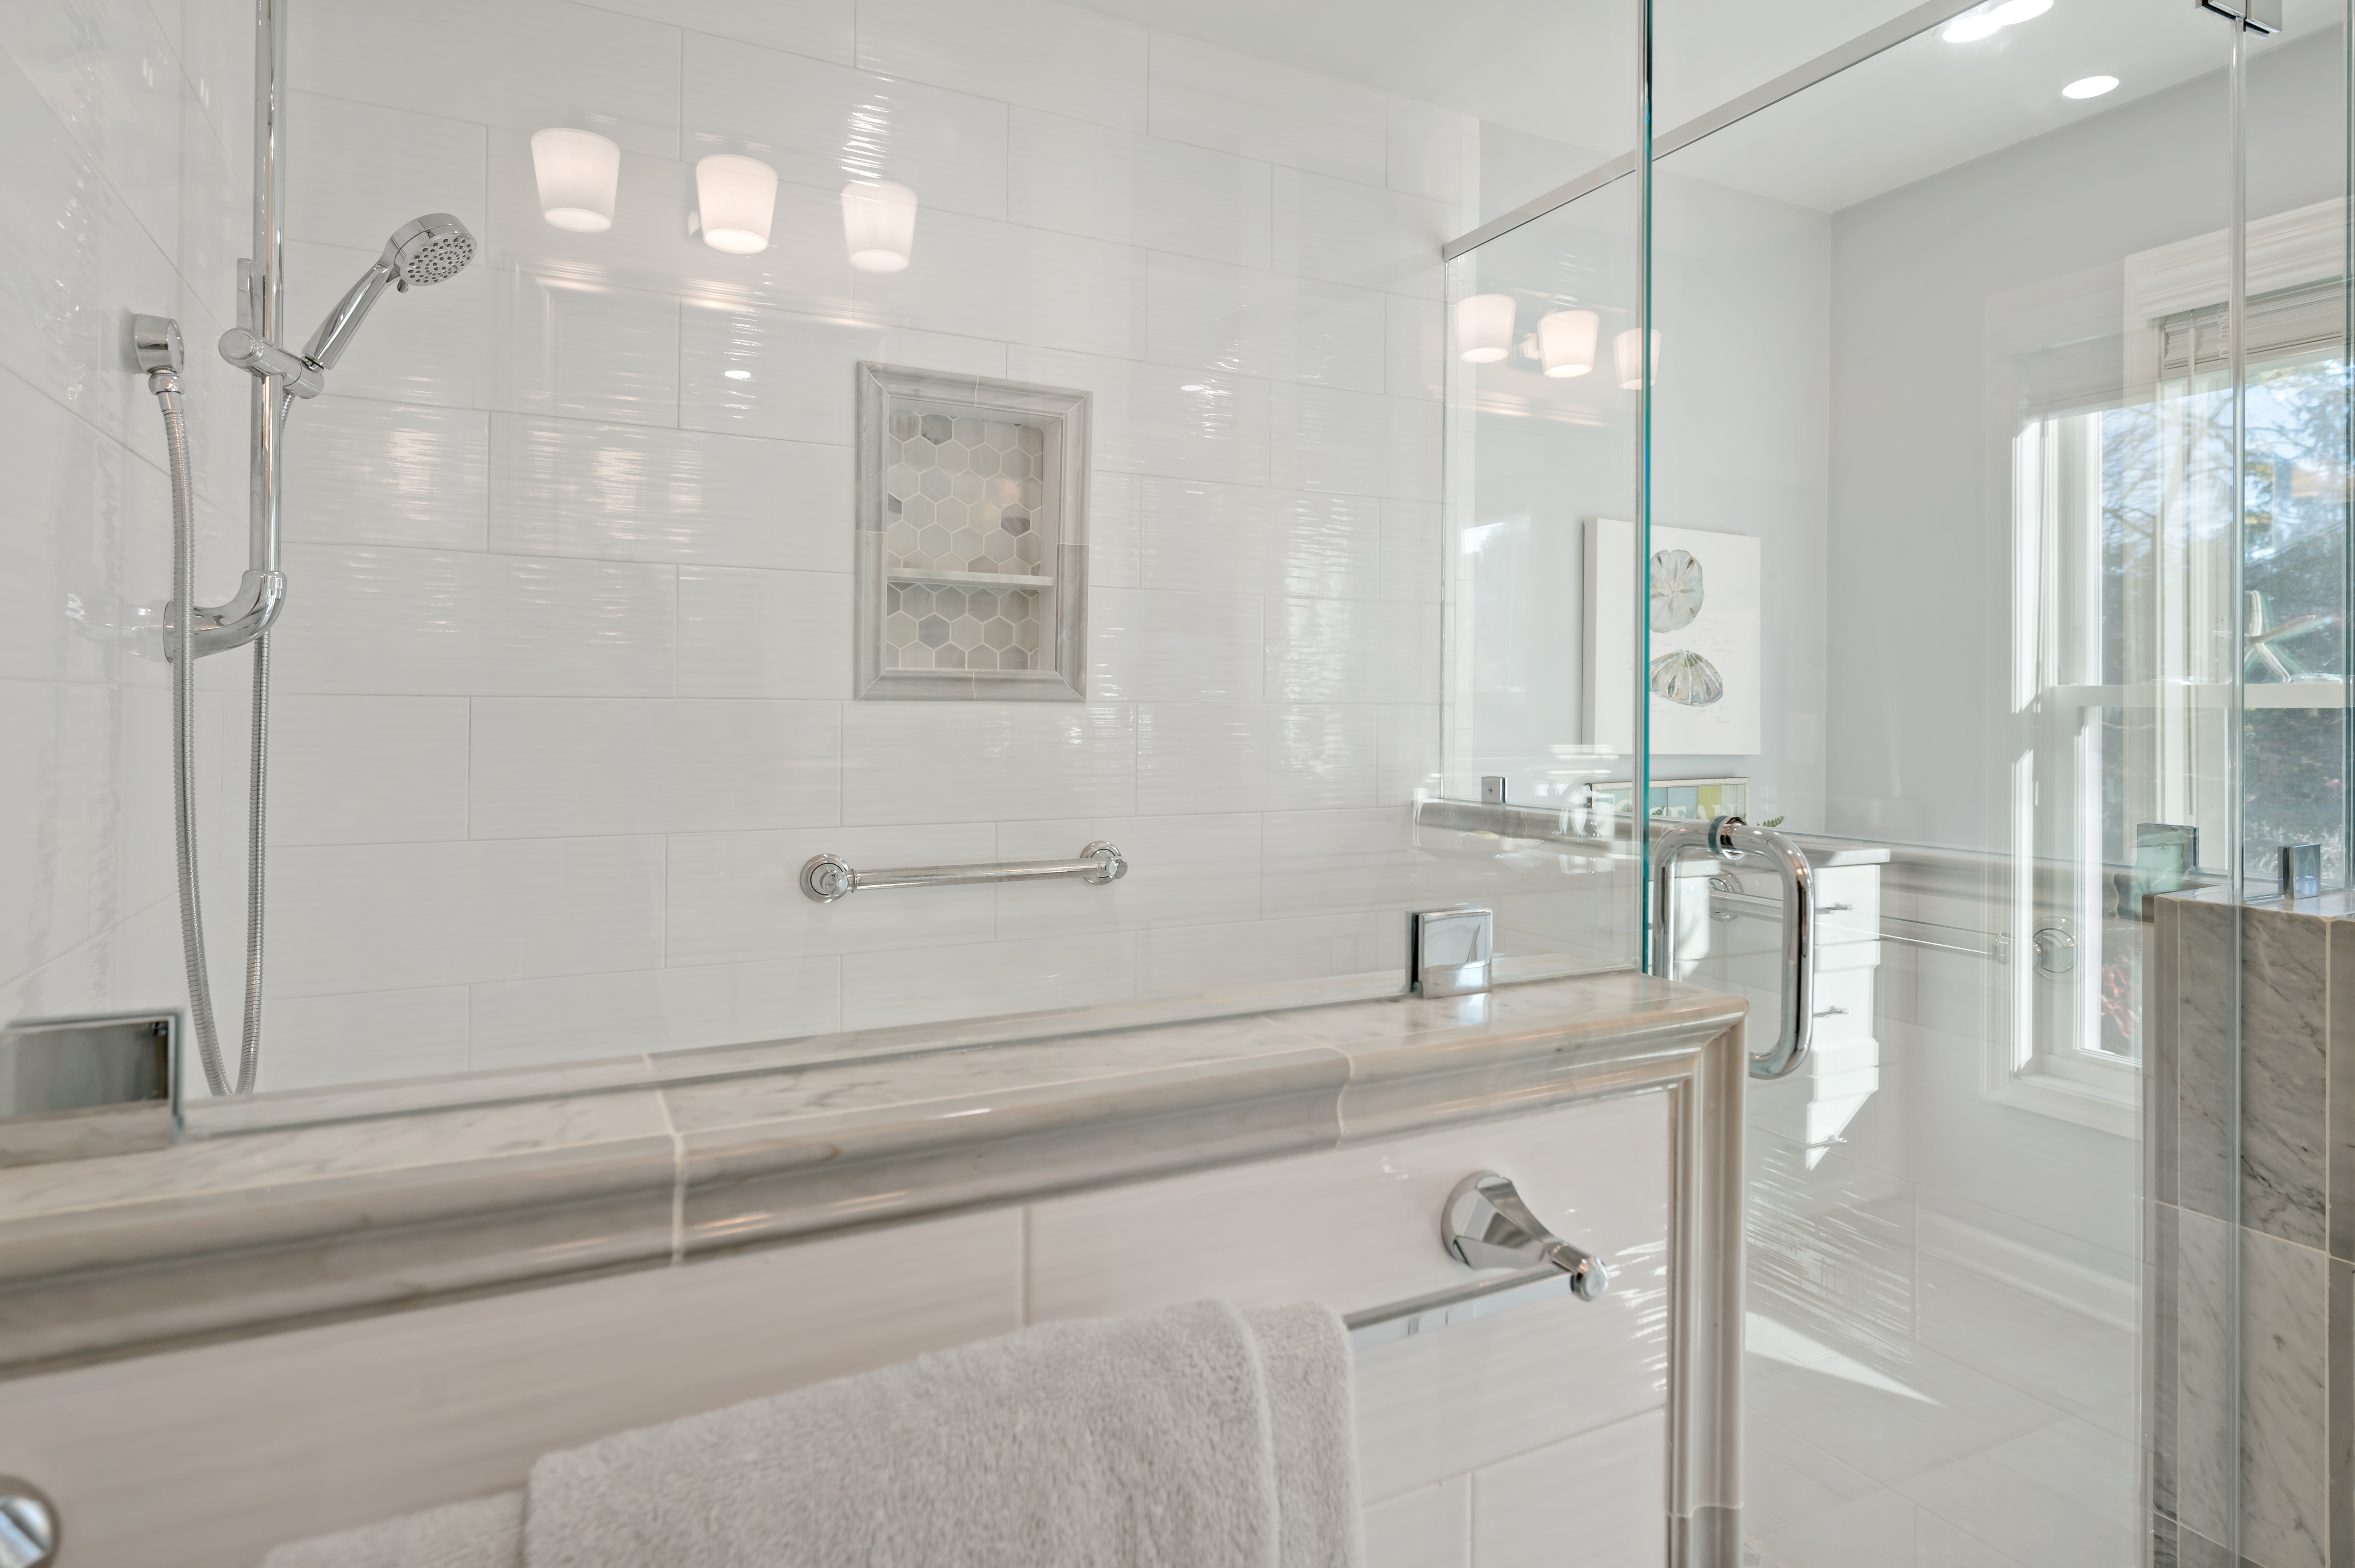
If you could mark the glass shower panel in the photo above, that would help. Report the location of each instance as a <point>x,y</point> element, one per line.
<point>1942,559</point>
<point>1543,582</point>
<point>2295,564</point>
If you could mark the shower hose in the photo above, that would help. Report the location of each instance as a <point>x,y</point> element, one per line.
<point>166,387</point>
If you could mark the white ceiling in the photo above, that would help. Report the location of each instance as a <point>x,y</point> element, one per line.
<point>1562,69</point>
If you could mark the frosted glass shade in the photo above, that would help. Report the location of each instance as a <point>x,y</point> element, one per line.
<point>1627,356</point>
<point>879,224</point>
<point>1566,341</point>
<point>1484,327</point>
<point>578,173</point>
<point>738,199</point>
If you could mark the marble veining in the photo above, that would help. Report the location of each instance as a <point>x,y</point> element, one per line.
<point>2165,1220</point>
<point>2203,1056</point>
<point>2340,1063</point>
<point>2339,1470</point>
<point>2283,1108</point>
<point>2284,1499</point>
<point>2205,1452</point>
<point>2162,1098</point>
<point>655,1160</point>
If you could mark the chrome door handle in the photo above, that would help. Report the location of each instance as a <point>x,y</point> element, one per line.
<point>1731,839</point>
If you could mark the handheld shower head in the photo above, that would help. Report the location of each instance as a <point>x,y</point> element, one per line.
<point>427,250</point>
<point>424,251</point>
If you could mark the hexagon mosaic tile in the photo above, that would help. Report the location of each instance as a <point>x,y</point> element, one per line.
<point>962,496</point>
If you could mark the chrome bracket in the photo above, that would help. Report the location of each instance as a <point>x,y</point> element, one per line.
<point>29,1525</point>
<point>1489,1226</point>
<point>220,627</point>
<point>2256,15</point>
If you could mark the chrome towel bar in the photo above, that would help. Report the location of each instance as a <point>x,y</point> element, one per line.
<point>826,877</point>
<point>1486,1225</point>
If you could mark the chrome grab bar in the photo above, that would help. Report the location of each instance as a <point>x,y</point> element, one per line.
<point>1731,839</point>
<point>1485,1224</point>
<point>826,878</point>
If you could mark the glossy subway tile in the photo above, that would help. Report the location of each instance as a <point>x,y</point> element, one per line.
<point>1136,189</point>
<point>566,488</point>
<point>818,123</point>
<point>569,767</point>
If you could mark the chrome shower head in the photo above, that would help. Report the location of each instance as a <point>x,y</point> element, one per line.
<point>422,250</point>
<point>427,250</point>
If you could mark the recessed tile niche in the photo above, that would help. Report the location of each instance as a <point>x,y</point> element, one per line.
<point>972,559</point>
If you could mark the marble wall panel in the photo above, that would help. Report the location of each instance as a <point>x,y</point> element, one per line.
<point>2283,1104</point>
<point>2204,1081</point>
<point>2284,1421</point>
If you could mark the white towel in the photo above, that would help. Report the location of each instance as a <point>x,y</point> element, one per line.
<point>486,1532</point>
<point>1305,1350</point>
<point>1140,1440</point>
<point>1192,1437</point>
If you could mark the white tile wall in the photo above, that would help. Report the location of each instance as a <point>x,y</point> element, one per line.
<point>564,682</point>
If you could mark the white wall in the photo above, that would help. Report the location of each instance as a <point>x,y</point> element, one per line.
<point>1936,287</point>
<point>563,679</point>
<point>123,192</point>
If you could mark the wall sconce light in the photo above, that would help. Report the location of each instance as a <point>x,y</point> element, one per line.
<point>879,224</point>
<point>1484,327</point>
<point>1566,341</point>
<point>738,196</point>
<point>578,171</point>
<point>1626,354</point>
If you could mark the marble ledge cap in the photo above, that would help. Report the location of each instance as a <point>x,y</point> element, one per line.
<point>248,1232</point>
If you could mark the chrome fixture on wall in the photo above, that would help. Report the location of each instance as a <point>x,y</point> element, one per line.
<point>1485,1224</point>
<point>826,878</point>
<point>29,1536</point>
<point>424,251</point>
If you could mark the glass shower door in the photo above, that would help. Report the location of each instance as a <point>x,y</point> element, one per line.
<point>1951,579</point>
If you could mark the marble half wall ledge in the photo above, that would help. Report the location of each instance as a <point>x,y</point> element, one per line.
<point>705,1153</point>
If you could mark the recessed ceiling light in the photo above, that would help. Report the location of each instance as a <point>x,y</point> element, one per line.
<point>2089,87</point>
<point>738,375</point>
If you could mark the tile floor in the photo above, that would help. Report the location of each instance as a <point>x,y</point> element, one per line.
<point>1995,1430</point>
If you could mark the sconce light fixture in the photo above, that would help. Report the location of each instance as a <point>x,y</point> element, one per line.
<point>578,173</point>
<point>1484,327</point>
<point>1627,355</point>
<point>879,224</point>
<point>738,196</point>
<point>1566,341</point>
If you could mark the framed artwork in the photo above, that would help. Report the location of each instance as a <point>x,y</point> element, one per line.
<point>1702,665</point>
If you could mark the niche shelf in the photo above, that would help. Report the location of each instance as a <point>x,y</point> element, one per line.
<point>971,515</point>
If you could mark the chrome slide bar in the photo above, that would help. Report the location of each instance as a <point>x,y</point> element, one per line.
<point>1731,839</point>
<point>826,878</point>
<point>1486,1225</point>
